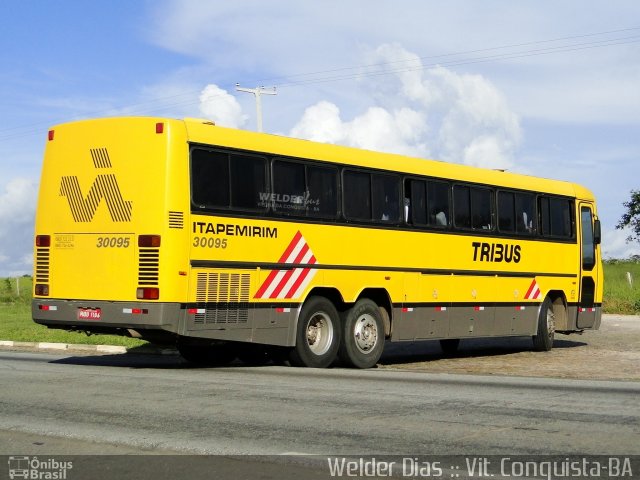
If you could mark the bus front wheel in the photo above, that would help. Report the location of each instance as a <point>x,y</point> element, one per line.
<point>543,340</point>
<point>363,339</point>
<point>317,335</point>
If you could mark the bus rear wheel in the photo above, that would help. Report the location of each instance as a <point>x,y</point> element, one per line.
<point>543,340</point>
<point>318,334</point>
<point>364,336</point>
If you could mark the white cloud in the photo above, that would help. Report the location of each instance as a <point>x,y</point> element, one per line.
<point>218,105</point>
<point>435,112</point>
<point>17,210</point>
<point>376,129</point>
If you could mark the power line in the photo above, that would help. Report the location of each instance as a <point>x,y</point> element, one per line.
<point>326,76</point>
<point>275,80</point>
<point>487,58</point>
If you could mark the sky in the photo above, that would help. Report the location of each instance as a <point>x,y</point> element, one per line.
<point>536,86</point>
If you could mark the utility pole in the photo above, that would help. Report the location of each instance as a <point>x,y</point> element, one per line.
<point>257,92</point>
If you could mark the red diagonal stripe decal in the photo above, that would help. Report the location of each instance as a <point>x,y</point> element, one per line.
<point>531,288</point>
<point>283,259</point>
<point>287,276</point>
<point>290,248</point>
<point>303,275</point>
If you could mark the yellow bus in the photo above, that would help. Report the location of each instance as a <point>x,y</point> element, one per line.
<point>228,243</point>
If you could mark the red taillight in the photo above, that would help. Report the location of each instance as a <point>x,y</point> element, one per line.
<point>159,127</point>
<point>51,133</point>
<point>152,241</point>
<point>43,240</point>
<point>148,293</point>
<point>42,290</point>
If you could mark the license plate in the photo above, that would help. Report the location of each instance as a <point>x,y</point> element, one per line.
<point>89,314</point>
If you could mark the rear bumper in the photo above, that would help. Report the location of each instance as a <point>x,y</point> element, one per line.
<point>113,315</point>
<point>270,324</point>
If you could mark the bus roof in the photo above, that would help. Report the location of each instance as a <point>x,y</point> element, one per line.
<point>204,131</point>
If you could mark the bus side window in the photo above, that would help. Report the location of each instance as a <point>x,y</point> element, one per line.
<point>481,209</point>
<point>418,202</point>
<point>386,197</point>
<point>461,207</point>
<point>322,187</point>
<point>209,179</point>
<point>248,181</point>
<point>555,216</point>
<point>356,187</point>
<point>438,201</point>
<point>524,207</point>
<point>288,187</point>
<point>507,217</point>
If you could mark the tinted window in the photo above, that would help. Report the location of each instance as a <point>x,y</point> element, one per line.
<point>588,245</point>
<point>322,186</point>
<point>481,209</point>
<point>525,213</point>
<point>288,194</point>
<point>248,182</point>
<point>461,206</point>
<point>357,195</point>
<point>506,212</point>
<point>386,198</point>
<point>438,203</point>
<point>209,178</point>
<point>555,217</point>
<point>516,213</point>
<point>415,203</point>
<point>472,207</point>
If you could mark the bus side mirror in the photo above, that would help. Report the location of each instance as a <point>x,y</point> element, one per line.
<point>597,232</point>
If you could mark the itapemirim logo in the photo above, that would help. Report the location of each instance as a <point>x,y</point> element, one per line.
<point>105,186</point>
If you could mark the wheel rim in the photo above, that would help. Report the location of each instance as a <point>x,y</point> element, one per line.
<point>365,333</point>
<point>320,333</point>
<point>551,323</point>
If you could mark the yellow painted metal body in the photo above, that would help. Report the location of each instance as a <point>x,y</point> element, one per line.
<point>132,179</point>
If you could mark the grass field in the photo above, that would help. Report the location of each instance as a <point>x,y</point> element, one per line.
<point>16,323</point>
<point>619,296</point>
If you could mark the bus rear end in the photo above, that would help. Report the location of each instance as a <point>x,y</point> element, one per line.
<point>108,203</point>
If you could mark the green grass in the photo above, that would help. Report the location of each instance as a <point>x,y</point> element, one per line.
<point>619,297</point>
<point>16,323</point>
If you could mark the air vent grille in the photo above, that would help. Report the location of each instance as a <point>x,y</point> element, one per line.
<point>176,220</point>
<point>148,266</point>
<point>225,297</point>
<point>42,265</point>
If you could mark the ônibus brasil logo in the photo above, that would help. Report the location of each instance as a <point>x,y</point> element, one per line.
<point>105,186</point>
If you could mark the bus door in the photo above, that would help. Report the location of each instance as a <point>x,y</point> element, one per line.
<point>589,234</point>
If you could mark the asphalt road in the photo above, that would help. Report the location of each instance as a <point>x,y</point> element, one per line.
<point>157,404</point>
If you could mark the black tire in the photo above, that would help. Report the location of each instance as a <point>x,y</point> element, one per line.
<point>543,340</point>
<point>450,345</point>
<point>207,355</point>
<point>318,334</point>
<point>363,338</point>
